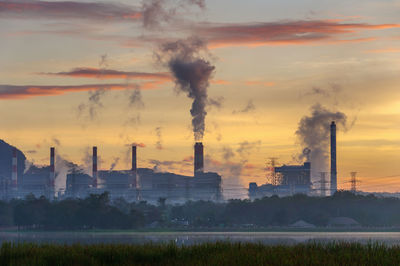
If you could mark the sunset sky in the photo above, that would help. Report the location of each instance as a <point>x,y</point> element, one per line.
<point>78,74</point>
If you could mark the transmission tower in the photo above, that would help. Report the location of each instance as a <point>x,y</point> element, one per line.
<point>323,183</point>
<point>271,175</point>
<point>353,182</point>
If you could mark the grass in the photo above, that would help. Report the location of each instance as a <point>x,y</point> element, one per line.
<point>220,253</point>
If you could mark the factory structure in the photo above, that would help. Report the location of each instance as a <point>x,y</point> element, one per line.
<point>296,179</point>
<point>135,184</point>
<point>144,184</point>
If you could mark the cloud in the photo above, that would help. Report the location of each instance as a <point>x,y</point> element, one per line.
<point>30,91</point>
<point>220,82</point>
<point>284,32</point>
<point>87,72</point>
<point>32,9</point>
<point>259,83</point>
<point>384,50</point>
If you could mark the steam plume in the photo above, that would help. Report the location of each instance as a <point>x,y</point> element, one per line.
<point>313,133</point>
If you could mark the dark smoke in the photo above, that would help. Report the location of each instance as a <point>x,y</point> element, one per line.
<point>135,99</point>
<point>156,12</point>
<point>314,134</point>
<point>114,164</point>
<point>159,144</point>
<point>103,61</point>
<point>227,153</point>
<point>91,107</point>
<point>216,102</point>
<point>56,141</point>
<point>248,108</point>
<point>246,148</point>
<point>192,74</point>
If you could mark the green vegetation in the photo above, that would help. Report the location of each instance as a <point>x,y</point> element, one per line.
<point>221,253</point>
<point>98,212</point>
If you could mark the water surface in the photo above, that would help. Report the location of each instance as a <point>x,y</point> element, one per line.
<point>190,238</point>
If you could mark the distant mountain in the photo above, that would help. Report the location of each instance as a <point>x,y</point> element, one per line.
<point>6,160</point>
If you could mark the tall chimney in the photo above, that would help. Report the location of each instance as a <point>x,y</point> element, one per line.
<point>94,170</point>
<point>134,166</point>
<point>52,168</point>
<point>14,174</point>
<point>198,158</point>
<point>333,159</point>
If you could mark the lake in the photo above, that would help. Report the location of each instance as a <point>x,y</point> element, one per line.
<point>190,238</point>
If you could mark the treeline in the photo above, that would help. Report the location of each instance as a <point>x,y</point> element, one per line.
<point>99,212</point>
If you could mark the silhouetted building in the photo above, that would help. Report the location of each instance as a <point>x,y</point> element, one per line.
<point>293,179</point>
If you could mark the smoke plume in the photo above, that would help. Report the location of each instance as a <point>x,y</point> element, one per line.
<point>90,108</point>
<point>135,99</point>
<point>159,144</point>
<point>114,163</point>
<point>314,134</point>
<point>156,12</point>
<point>192,74</point>
<point>248,108</point>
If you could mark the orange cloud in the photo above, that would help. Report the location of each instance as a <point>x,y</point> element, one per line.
<point>285,33</point>
<point>259,83</point>
<point>220,82</point>
<point>29,91</point>
<point>87,72</point>
<point>385,50</point>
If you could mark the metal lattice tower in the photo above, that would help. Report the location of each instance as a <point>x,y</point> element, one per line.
<point>272,176</point>
<point>353,182</point>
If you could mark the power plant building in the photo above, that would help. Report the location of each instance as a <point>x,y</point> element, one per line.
<point>293,179</point>
<point>135,184</point>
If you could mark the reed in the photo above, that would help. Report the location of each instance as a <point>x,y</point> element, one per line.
<point>220,253</point>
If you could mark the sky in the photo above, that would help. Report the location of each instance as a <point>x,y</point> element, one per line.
<point>79,74</point>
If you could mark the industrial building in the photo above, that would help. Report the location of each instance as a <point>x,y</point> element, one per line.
<point>293,179</point>
<point>135,184</point>
<point>296,179</point>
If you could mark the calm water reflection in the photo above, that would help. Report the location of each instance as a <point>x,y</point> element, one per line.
<point>189,238</point>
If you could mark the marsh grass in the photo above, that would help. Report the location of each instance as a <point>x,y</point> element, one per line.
<point>220,253</point>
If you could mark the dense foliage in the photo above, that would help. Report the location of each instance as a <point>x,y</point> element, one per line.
<point>220,253</point>
<point>98,211</point>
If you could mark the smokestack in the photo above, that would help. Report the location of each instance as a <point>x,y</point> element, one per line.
<point>94,170</point>
<point>134,166</point>
<point>333,159</point>
<point>198,158</point>
<point>14,175</point>
<point>52,168</point>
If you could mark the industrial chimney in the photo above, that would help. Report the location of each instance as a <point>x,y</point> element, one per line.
<point>14,174</point>
<point>94,170</point>
<point>198,158</point>
<point>52,176</point>
<point>134,166</point>
<point>333,159</point>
